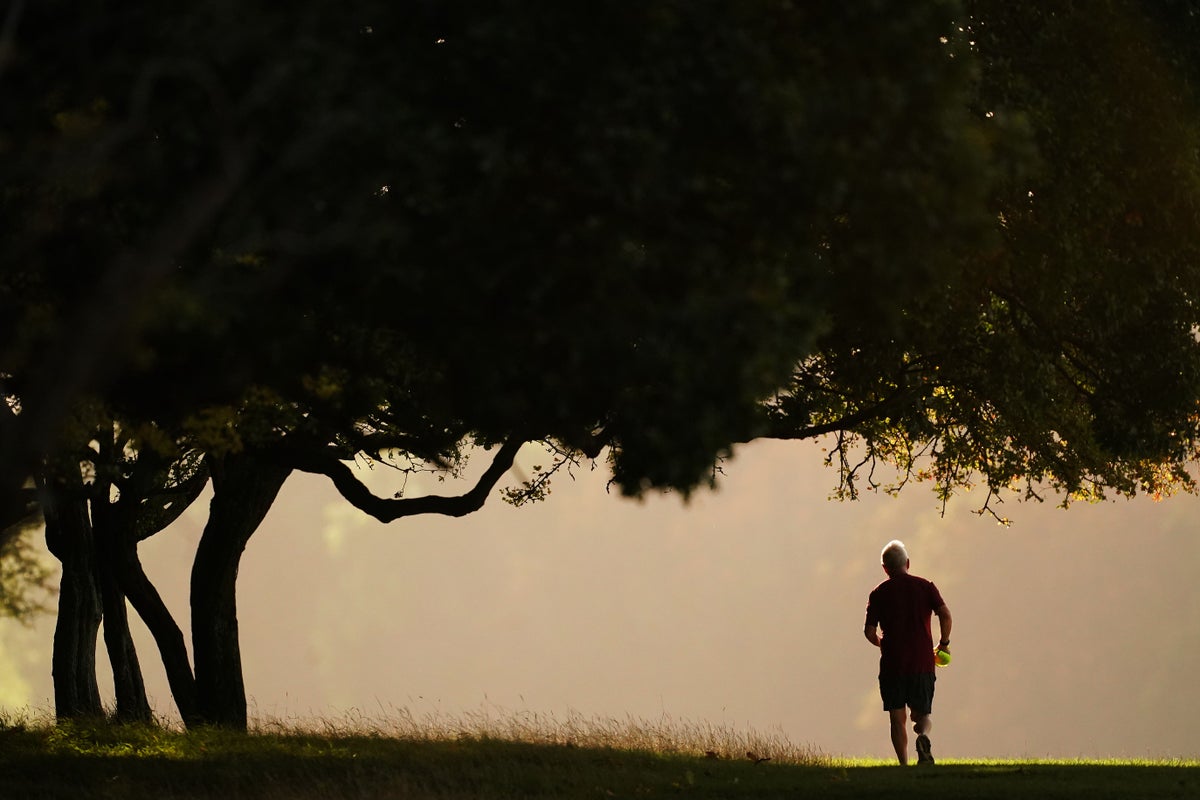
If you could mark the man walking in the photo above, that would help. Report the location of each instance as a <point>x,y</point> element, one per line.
<point>902,606</point>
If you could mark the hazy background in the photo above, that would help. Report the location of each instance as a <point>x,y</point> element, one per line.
<point>1075,632</point>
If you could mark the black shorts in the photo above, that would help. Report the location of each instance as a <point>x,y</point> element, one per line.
<point>914,691</point>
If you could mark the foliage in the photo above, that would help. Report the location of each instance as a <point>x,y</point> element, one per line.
<point>1064,357</point>
<point>476,217</point>
<point>489,221</point>
<point>25,579</point>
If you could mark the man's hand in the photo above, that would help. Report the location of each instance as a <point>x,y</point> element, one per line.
<point>872,634</point>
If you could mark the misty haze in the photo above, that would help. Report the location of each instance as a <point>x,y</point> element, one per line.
<point>743,607</point>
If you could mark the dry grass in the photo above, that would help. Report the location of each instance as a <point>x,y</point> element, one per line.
<point>663,735</point>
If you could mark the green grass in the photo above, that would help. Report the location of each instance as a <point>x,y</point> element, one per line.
<point>515,756</point>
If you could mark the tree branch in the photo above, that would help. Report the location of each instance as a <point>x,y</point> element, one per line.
<point>389,509</point>
<point>782,428</point>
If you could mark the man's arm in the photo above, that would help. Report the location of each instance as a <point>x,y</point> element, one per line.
<point>944,624</point>
<point>872,634</point>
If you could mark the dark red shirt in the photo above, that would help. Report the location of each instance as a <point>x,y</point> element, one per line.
<point>902,606</point>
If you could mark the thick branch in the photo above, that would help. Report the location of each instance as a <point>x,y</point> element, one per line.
<point>782,428</point>
<point>389,509</point>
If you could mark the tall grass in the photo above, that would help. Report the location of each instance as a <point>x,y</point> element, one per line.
<point>488,753</point>
<point>663,735</point>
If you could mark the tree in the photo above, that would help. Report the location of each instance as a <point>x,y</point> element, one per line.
<point>484,223</point>
<point>644,231</point>
<point>99,502</point>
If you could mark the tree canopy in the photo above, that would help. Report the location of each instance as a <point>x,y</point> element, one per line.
<point>1064,358</point>
<point>526,217</point>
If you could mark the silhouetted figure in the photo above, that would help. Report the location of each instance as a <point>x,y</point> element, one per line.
<point>902,607</point>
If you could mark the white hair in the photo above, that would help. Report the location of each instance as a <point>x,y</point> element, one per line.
<point>894,555</point>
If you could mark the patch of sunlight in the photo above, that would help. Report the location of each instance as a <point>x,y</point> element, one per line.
<point>1004,765</point>
<point>119,741</point>
<point>861,761</point>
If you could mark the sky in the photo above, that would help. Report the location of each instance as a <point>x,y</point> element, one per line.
<point>1075,632</point>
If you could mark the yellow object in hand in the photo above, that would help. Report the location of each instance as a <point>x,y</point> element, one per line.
<point>941,657</point>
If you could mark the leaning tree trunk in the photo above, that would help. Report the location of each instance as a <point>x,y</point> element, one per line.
<point>69,538</point>
<point>128,685</point>
<point>167,635</point>
<point>158,491</point>
<point>244,487</point>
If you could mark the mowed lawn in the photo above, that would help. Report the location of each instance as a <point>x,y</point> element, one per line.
<point>82,763</point>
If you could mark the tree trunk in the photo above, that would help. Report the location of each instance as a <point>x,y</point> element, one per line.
<point>244,487</point>
<point>128,686</point>
<point>69,538</point>
<point>167,635</point>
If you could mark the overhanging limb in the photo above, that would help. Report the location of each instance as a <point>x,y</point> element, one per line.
<point>389,509</point>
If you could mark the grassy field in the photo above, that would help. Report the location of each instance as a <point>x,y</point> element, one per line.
<point>515,758</point>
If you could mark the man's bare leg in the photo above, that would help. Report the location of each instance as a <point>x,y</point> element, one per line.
<point>899,719</point>
<point>922,724</point>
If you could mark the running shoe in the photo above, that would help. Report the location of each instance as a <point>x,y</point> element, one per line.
<point>924,753</point>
